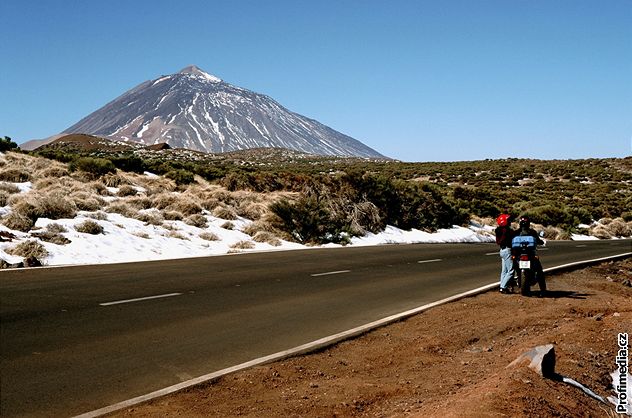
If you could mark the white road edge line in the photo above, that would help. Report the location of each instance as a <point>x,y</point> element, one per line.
<point>315,345</point>
<point>118,302</point>
<point>330,272</point>
<point>430,261</point>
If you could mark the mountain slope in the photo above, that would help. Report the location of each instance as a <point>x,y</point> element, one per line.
<point>193,109</point>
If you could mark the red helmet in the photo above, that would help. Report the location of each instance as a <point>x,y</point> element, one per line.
<point>503,219</point>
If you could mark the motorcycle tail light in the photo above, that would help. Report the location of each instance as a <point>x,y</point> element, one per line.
<point>524,257</point>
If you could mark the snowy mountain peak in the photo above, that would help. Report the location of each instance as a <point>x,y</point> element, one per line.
<point>196,110</point>
<point>196,71</point>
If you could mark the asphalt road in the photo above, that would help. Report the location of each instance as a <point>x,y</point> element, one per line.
<point>75,339</point>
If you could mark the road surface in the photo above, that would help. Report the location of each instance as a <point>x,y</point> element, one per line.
<point>75,339</point>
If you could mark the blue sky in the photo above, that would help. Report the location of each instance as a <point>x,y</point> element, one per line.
<point>415,80</point>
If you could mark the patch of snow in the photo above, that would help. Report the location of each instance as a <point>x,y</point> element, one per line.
<point>580,237</point>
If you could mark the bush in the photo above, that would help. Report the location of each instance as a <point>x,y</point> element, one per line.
<point>181,177</point>
<point>196,220</point>
<point>172,215</point>
<point>268,237</point>
<point>6,144</point>
<point>56,228</point>
<point>151,218</point>
<point>186,206</point>
<point>14,175</point>
<point>18,222</point>
<point>4,198</point>
<point>94,167</point>
<point>224,212</point>
<point>243,245</point>
<point>89,227</point>
<point>126,190</point>
<point>209,236</point>
<point>228,225</point>
<point>52,237</point>
<point>55,206</point>
<point>9,188</point>
<point>28,249</point>
<point>122,209</point>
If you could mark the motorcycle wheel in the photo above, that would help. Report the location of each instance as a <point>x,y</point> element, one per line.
<point>541,283</point>
<point>525,289</point>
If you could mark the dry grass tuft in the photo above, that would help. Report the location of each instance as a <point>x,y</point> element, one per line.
<point>140,202</point>
<point>197,220</point>
<point>127,190</point>
<point>151,218</point>
<point>172,215</point>
<point>99,216</point>
<point>9,188</point>
<point>122,208</point>
<point>52,237</point>
<point>87,201</point>
<point>619,228</point>
<point>14,175</point>
<point>243,245</point>
<point>258,226</point>
<point>18,222</point>
<point>186,205</point>
<point>209,236</point>
<point>56,228</point>
<point>163,200</point>
<point>89,227</point>
<point>4,198</point>
<point>141,234</point>
<point>224,212</point>
<point>175,234</point>
<point>228,225</point>
<point>267,237</point>
<point>27,249</point>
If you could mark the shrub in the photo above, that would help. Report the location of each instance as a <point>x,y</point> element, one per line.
<point>52,237</point>
<point>9,188</point>
<point>89,227</point>
<point>209,236</point>
<point>258,226</point>
<point>186,206</point>
<point>172,215</point>
<point>27,249</point>
<point>228,225</point>
<point>600,232</point>
<point>196,220</point>
<point>55,206</point>
<point>175,234</point>
<point>99,216</point>
<point>619,228</point>
<point>14,175</point>
<point>122,209</point>
<point>18,222</point>
<point>6,144</point>
<point>264,236</point>
<point>243,245</point>
<point>307,221</point>
<point>181,177</point>
<point>163,200</point>
<point>94,167</point>
<point>126,190</point>
<point>56,228</point>
<point>4,198</point>
<point>140,202</point>
<point>151,218</point>
<point>224,212</point>
<point>87,201</point>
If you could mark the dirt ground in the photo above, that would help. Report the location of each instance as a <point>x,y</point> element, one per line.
<point>446,362</point>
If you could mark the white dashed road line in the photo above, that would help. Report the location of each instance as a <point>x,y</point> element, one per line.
<point>430,261</point>
<point>118,302</point>
<point>329,273</point>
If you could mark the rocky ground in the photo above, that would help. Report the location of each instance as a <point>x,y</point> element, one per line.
<point>449,361</point>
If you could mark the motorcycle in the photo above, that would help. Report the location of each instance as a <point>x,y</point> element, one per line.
<point>527,266</point>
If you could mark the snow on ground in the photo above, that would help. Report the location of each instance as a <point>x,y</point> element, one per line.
<point>128,240</point>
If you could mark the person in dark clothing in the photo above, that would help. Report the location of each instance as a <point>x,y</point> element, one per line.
<point>526,230</point>
<point>504,235</point>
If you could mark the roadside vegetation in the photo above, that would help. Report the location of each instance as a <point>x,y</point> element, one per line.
<point>307,199</point>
